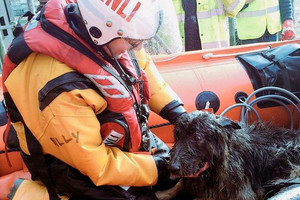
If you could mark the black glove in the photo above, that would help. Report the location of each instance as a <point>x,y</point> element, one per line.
<point>162,170</point>
<point>172,111</point>
<point>161,156</point>
<point>164,182</point>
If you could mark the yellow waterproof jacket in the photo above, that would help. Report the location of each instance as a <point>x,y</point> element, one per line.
<point>259,16</point>
<point>70,122</point>
<point>30,190</point>
<point>212,20</point>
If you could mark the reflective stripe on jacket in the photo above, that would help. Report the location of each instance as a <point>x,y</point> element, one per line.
<point>212,20</point>
<point>259,16</point>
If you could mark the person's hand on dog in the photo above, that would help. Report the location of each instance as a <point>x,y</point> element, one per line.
<point>180,117</point>
<point>161,156</point>
<point>162,169</point>
<point>170,193</point>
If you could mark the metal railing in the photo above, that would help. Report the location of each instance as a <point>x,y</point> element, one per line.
<point>2,52</point>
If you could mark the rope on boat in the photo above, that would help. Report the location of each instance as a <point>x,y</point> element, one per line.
<point>247,105</point>
<point>160,125</point>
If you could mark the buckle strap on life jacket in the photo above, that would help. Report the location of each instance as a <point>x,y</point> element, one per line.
<point>143,109</point>
<point>41,169</point>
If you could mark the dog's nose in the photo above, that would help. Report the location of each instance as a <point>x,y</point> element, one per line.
<point>174,168</point>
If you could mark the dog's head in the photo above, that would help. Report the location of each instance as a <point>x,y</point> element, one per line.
<point>200,142</point>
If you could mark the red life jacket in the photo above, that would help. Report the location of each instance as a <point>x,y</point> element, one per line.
<point>50,34</point>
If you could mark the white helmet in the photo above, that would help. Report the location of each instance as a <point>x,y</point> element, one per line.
<point>106,20</point>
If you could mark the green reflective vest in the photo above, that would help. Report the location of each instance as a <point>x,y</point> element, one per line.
<point>212,20</point>
<point>252,22</point>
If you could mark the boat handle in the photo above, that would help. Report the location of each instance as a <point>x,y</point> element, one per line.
<point>207,56</point>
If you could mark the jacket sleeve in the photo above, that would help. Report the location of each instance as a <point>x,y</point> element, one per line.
<point>233,7</point>
<point>286,10</point>
<point>163,100</point>
<point>74,118</point>
<point>68,128</point>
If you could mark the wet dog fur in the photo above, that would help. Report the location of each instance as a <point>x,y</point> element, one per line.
<point>237,161</point>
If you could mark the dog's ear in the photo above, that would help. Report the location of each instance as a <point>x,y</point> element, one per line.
<point>225,122</point>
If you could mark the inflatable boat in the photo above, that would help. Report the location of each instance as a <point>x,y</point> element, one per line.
<point>257,82</point>
<point>222,79</point>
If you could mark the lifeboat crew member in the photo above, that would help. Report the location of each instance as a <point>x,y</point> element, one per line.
<point>77,87</point>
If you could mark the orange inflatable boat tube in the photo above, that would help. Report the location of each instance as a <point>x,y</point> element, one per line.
<point>216,74</point>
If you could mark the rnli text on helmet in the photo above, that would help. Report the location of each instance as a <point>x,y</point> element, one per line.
<point>119,9</point>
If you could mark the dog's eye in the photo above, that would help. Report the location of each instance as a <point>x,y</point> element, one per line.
<point>197,137</point>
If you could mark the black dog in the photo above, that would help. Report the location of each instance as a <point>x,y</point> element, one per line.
<point>220,160</point>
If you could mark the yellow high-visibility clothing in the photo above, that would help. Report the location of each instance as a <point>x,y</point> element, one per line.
<point>212,20</point>
<point>259,16</point>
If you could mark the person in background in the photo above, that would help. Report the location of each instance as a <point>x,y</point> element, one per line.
<point>265,21</point>
<point>287,18</point>
<point>203,24</point>
<point>78,95</point>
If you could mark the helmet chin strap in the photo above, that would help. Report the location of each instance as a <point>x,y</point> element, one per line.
<point>116,64</point>
<point>112,55</point>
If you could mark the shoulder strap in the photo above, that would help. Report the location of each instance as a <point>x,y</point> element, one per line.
<point>38,164</point>
<point>138,72</point>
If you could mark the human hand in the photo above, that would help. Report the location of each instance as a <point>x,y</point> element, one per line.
<point>162,165</point>
<point>288,31</point>
<point>170,193</point>
<point>161,156</point>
